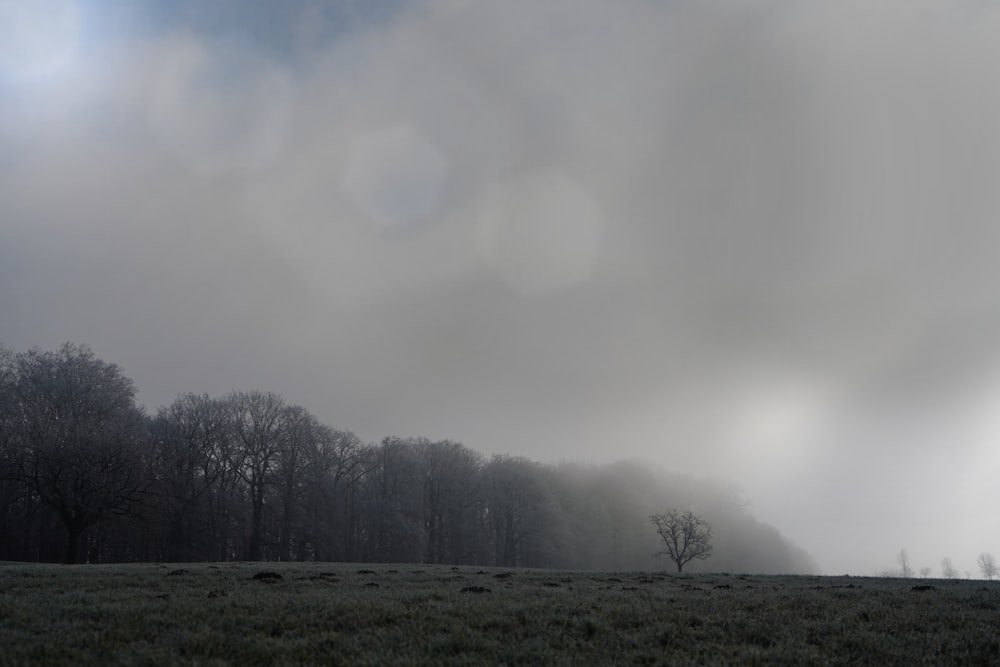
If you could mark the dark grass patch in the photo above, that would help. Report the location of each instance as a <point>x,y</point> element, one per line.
<point>475,589</point>
<point>132,614</point>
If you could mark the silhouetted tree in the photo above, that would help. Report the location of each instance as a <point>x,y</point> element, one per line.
<point>302,463</point>
<point>449,474</point>
<point>903,559</point>
<point>17,503</point>
<point>333,460</point>
<point>987,565</point>
<point>948,570</point>
<point>79,442</point>
<point>356,503</point>
<point>260,428</point>
<point>289,477</point>
<point>193,440</point>
<point>686,535</point>
<point>391,498</point>
<point>519,509</point>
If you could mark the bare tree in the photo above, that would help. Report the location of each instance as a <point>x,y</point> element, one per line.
<point>303,432</point>
<point>449,471</point>
<point>17,503</point>
<point>7,403</point>
<point>191,440</point>
<point>259,425</point>
<point>520,511</point>
<point>80,443</point>
<point>925,572</point>
<point>905,569</point>
<point>392,504</point>
<point>334,469</point>
<point>948,570</point>
<point>686,535</point>
<point>988,565</point>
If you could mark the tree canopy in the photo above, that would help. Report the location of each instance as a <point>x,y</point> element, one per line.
<point>686,536</point>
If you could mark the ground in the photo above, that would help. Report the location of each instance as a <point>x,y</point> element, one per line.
<point>323,613</point>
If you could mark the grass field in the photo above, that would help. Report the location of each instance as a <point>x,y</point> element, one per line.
<point>323,613</point>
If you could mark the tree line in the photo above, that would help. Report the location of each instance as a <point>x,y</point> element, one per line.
<point>87,475</point>
<point>985,561</point>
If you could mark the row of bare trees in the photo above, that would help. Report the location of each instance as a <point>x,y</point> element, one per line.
<point>86,474</point>
<point>986,562</point>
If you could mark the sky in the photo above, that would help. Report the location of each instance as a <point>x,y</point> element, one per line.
<point>751,240</point>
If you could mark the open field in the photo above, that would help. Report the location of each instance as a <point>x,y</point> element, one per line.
<point>324,613</point>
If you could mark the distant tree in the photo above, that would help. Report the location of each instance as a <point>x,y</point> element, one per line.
<point>450,473</point>
<point>313,457</point>
<point>520,511</point>
<point>16,502</point>
<point>391,504</point>
<point>925,572</point>
<point>259,422</point>
<point>299,437</point>
<point>7,376</point>
<point>192,439</point>
<point>905,569</point>
<point>948,570</point>
<point>987,565</point>
<point>333,460</point>
<point>686,535</point>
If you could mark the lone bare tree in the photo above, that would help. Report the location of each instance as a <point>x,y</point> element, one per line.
<point>948,570</point>
<point>905,569</point>
<point>686,535</point>
<point>988,565</point>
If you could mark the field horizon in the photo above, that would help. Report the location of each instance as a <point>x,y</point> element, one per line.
<point>358,613</point>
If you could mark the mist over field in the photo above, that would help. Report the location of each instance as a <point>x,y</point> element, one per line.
<point>748,242</point>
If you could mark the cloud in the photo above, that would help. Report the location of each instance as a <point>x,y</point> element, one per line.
<point>218,112</point>
<point>541,232</point>
<point>396,177</point>
<point>751,238</point>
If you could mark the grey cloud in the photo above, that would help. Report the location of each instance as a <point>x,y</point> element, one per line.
<point>752,239</point>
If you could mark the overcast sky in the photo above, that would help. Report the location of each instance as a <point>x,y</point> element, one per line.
<point>757,240</point>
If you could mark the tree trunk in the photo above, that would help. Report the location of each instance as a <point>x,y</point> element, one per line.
<point>287,519</point>
<point>73,533</point>
<point>256,538</point>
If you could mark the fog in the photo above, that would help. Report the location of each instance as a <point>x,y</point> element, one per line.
<point>748,240</point>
